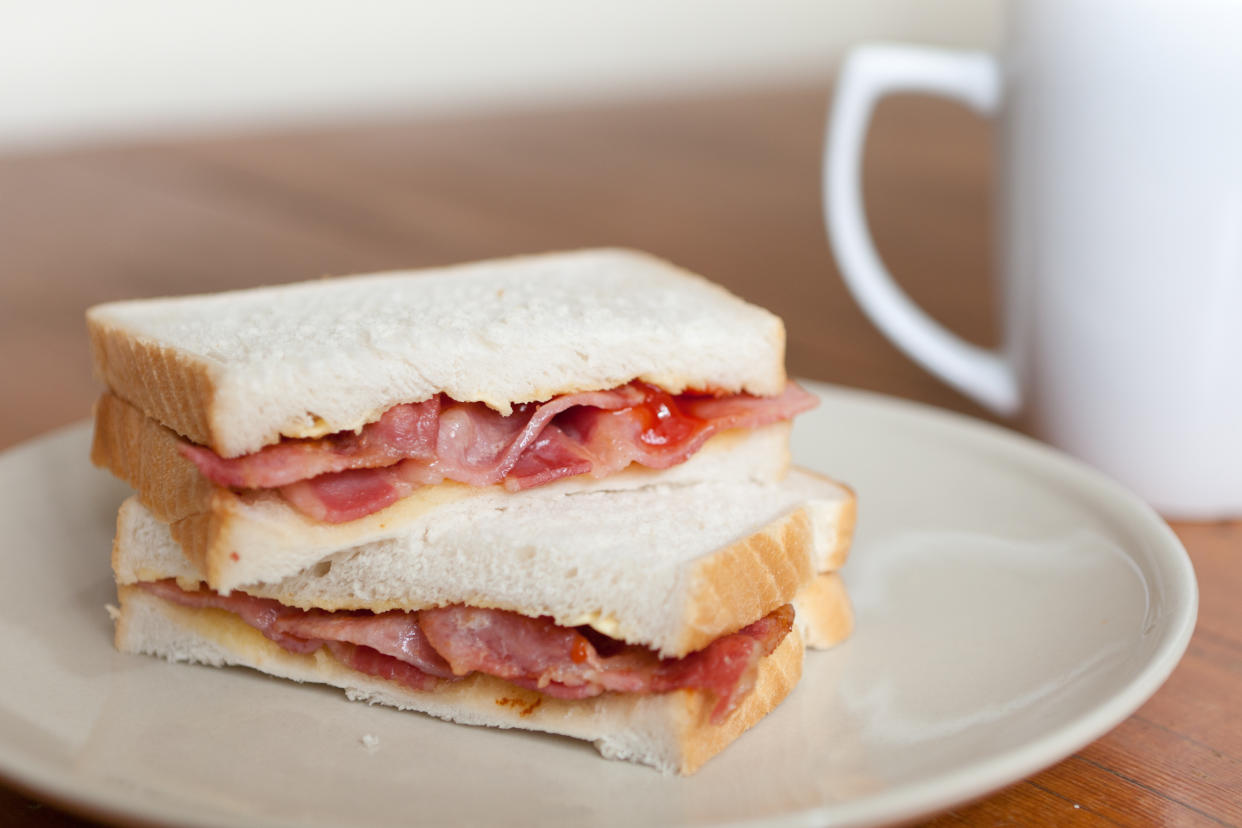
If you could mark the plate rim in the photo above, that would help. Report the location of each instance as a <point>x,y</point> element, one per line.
<point>973,781</point>
<point>931,795</point>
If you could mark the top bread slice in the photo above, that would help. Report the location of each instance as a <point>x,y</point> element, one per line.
<point>237,371</point>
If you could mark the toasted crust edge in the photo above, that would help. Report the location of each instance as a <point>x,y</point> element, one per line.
<point>747,580</point>
<point>668,731</point>
<point>824,611</point>
<point>175,388</point>
<point>145,455</point>
<point>843,521</point>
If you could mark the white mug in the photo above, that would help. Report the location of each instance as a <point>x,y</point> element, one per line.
<point>1120,234</point>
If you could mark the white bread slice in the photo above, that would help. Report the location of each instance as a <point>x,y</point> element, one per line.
<point>211,522</point>
<point>669,567</point>
<point>236,371</point>
<point>669,731</point>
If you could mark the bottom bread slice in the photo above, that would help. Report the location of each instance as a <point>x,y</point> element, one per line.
<point>669,731</point>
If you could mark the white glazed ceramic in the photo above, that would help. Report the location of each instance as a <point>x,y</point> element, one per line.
<point>1012,606</point>
<point>1120,224</point>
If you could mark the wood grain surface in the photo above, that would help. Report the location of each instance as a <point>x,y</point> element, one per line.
<point>726,185</point>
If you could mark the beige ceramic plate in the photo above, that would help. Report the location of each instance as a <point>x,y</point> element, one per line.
<point>1012,607</point>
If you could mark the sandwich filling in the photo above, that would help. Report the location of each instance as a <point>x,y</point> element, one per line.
<point>348,475</point>
<point>425,649</point>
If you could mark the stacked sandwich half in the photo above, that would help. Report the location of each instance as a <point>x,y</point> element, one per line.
<point>550,492</point>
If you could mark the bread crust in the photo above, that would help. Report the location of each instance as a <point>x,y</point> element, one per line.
<point>747,579</point>
<point>840,523</point>
<point>144,454</point>
<point>174,387</point>
<point>670,731</point>
<point>824,611</point>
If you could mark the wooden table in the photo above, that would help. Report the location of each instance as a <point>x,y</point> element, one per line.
<point>725,185</point>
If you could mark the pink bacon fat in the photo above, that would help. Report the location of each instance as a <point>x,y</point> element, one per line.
<point>424,649</point>
<point>348,475</point>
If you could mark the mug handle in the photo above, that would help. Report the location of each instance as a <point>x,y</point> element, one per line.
<point>870,72</point>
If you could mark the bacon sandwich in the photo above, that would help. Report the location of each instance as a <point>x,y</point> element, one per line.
<point>549,492</point>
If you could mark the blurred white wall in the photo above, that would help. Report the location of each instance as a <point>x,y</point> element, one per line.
<point>90,70</point>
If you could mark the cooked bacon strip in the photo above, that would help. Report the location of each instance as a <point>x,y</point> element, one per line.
<point>555,455</point>
<point>389,645</point>
<point>667,430</point>
<point>394,633</point>
<point>595,433</point>
<point>467,442</point>
<point>348,495</point>
<point>729,665</point>
<point>422,649</point>
<point>374,663</point>
<point>404,431</point>
<point>468,450</point>
<point>564,663</point>
<point>263,614</point>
